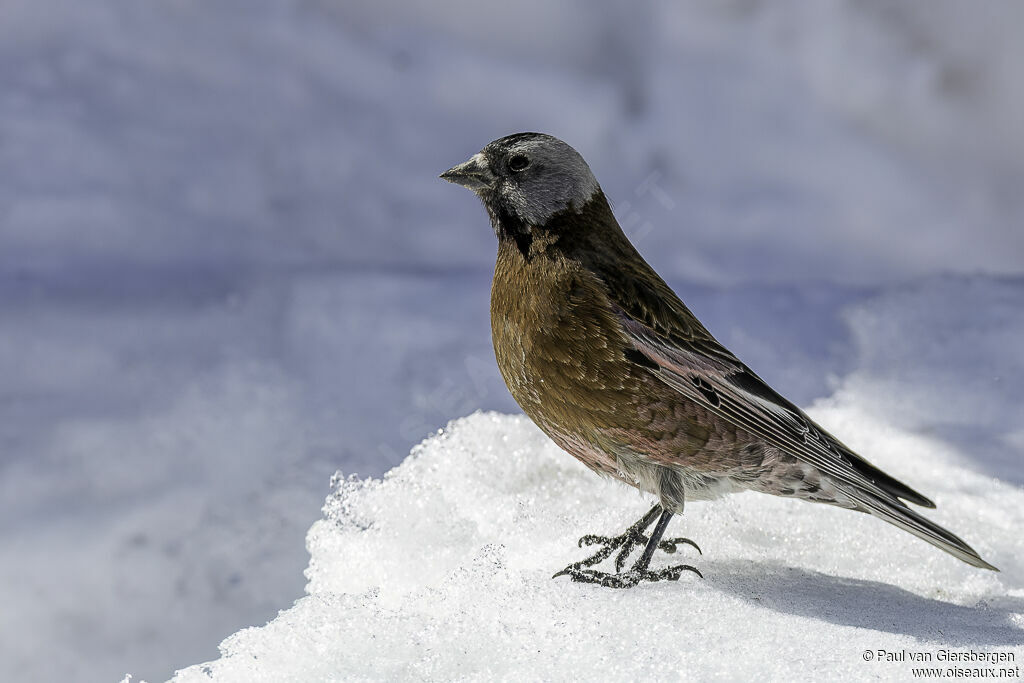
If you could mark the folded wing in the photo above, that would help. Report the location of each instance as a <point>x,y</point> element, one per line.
<point>702,370</point>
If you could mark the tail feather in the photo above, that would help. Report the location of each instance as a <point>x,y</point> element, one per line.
<point>887,483</point>
<point>903,517</point>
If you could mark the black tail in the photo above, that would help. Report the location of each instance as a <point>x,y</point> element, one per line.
<point>909,520</point>
<point>890,485</point>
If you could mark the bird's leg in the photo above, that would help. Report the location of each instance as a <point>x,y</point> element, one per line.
<point>625,543</point>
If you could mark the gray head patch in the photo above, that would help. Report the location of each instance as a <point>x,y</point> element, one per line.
<point>554,179</point>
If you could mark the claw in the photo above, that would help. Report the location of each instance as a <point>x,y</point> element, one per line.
<point>669,545</point>
<point>673,573</point>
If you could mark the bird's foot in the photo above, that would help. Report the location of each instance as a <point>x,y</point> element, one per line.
<point>625,579</point>
<point>625,543</point>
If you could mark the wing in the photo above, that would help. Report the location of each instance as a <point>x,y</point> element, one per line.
<point>684,355</point>
<point>667,339</point>
<point>704,371</point>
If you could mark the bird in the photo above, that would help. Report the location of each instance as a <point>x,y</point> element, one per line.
<point>608,361</point>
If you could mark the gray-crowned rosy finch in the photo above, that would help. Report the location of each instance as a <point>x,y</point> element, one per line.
<point>610,364</point>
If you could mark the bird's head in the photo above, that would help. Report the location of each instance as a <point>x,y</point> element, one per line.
<point>526,179</point>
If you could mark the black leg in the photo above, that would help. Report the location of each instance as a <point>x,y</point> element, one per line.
<point>659,530</point>
<point>625,543</point>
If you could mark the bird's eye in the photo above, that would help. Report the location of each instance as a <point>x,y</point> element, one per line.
<point>517,162</point>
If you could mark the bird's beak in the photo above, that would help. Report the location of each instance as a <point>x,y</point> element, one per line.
<point>474,173</point>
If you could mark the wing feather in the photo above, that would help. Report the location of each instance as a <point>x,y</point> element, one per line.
<point>665,338</point>
<point>723,385</point>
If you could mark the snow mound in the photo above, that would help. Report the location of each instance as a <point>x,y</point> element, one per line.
<point>442,570</point>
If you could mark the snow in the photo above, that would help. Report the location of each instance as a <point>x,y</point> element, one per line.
<point>442,570</point>
<point>228,269</point>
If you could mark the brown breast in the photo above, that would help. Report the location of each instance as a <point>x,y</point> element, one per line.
<point>563,357</point>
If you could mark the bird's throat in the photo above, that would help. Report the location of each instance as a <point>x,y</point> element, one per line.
<point>508,225</point>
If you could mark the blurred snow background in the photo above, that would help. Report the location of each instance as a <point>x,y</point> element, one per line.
<point>227,267</point>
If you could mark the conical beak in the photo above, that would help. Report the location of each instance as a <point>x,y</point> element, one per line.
<point>473,173</point>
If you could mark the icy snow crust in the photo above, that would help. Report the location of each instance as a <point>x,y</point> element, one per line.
<point>442,570</point>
